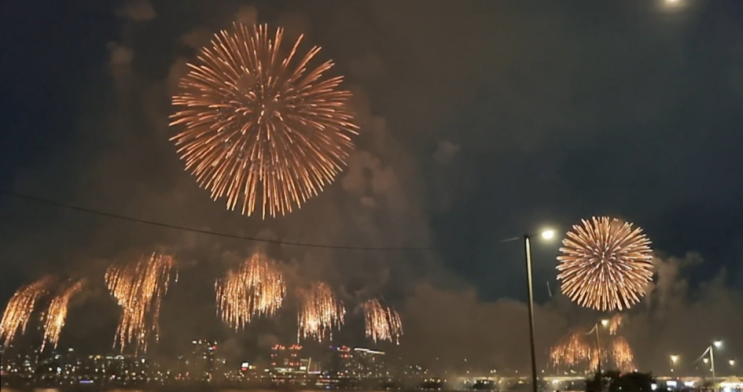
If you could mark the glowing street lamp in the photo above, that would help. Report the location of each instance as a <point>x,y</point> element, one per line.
<point>731,362</point>
<point>674,359</point>
<point>711,349</point>
<point>604,323</point>
<point>547,235</point>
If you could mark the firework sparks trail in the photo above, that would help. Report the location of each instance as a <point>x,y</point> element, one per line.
<point>577,349</point>
<point>571,351</point>
<point>139,287</point>
<point>622,354</point>
<point>56,315</point>
<point>605,264</point>
<point>382,323</point>
<point>614,324</point>
<point>261,128</point>
<point>21,306</point>
<point>319,313</point>
<point>256,288</point>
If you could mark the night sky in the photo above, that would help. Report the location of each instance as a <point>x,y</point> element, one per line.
<point>480,120</point>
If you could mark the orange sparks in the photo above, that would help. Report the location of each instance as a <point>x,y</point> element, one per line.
<point>138,287</point>
<point>56,315</point>
<point>605,264</point>
<point>256,288</point>
<point>21,306</point>
<point>382,323</point>
<point>262,130</point>
<point>319,313</point>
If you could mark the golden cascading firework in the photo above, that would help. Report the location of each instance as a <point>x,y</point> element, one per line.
<point>260,127</point>
<point>571,351</point>
<point>381,323</point>
<point>21,306</point>
<point>614,323</point>
<point>605,264</point>
<point>256,288</point>
<point>579,348</point>
<point>319,312</point>
<point>622,354</point>
<point>56,315</point>
<point>138,288</point>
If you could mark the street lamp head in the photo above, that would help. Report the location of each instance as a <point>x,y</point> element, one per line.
<point>718,343</point>
<point>674,358</point>
<point>705,360</point>
<point>548,234</point>
<point>605,322</point>
<point>732,362</point>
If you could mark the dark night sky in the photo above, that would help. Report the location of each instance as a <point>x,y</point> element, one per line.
<point>480,120</point>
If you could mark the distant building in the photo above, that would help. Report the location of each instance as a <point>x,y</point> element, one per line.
<point>288,363</point>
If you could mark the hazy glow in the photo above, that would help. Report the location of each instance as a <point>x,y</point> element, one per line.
<point>718,343</point>
<point>262,130</point>
<point>548,234</point>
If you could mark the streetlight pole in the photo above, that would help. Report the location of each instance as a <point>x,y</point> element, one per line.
<point>529,287</point>
<point>598,354</point>
<point>712,361</point>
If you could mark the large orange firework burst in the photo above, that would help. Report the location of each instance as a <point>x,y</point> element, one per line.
<point>139,287</point>
<point>256,288</point>
<point>319,312</point>
<point>382,323</point>
<point>21,306</point>
<point>605,264</point>
<point>260,127</point>
<point>56,315</point>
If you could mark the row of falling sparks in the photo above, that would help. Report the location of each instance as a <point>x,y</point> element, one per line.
<point>256,288</point>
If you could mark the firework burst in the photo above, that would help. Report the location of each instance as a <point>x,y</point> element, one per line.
<point>21,306</point>
<point>605,264</point>
<point>138,288</point>
<point>382,323</point>
<point>56,315</point>
<point>256,288</point>
<point>571,350</point>
<point>261,128</point>
<point>319,313</point>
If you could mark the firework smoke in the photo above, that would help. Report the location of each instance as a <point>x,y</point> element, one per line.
<point>319,313</point>
<point>21,306</point>
<point>605,264</point>
<point>381,323</point>
<point>56,315</point>
<point>259,127</point>
<point>256,288</point>
<point>138,288</point>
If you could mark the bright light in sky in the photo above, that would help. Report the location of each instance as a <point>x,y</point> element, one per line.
<point>548,234</point>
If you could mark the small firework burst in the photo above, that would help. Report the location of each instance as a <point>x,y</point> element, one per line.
<point>605,264</point>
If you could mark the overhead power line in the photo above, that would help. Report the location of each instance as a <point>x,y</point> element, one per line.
<point>200,231</point>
